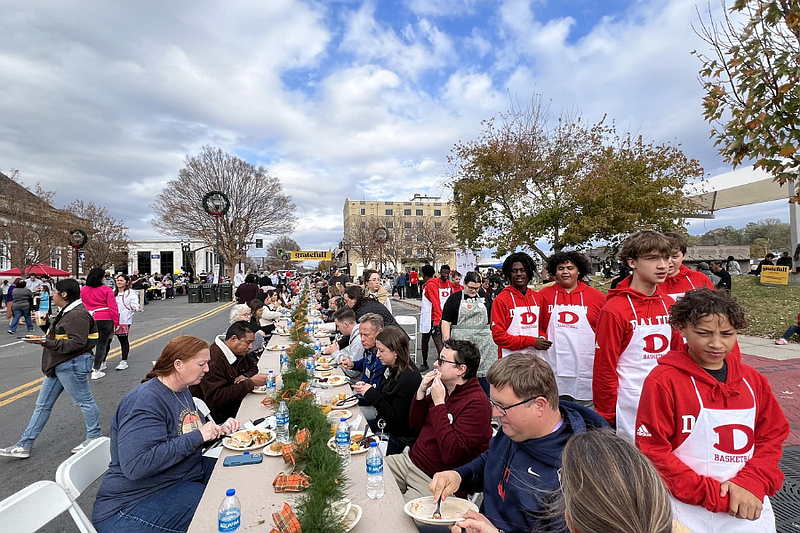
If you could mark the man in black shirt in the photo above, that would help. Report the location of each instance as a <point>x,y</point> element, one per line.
<point>722,273</point>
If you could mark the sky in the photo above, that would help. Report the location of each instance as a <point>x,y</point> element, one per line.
<point>103,101</point>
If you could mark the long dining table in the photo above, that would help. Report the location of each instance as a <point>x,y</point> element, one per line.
<point>253,483</point>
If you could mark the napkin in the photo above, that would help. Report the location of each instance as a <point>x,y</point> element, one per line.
<point>285,521</point>
<point>294,482</point>
<point>356,423</point>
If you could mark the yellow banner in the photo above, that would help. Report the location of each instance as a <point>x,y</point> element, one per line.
<point>776,275</point>
<point>310,256</point>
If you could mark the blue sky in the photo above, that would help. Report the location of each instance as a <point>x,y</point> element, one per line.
<point>361,99</point>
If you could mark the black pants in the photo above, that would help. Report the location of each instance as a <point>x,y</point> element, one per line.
<point>436,334</point>
<point>400,290</point>
<point>105,332</point>
<point>125,344</point>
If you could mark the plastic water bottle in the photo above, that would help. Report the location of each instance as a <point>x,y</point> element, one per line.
<point>230,513</point>
<point>310,366</point>
<point>343,441</point>
<point>317,346</point>
<point>374,472</point>
<point>271,384</point>
<point>282,423</point>
<point>284,362</point>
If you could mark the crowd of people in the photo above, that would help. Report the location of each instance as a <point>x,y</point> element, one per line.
<point>568,409</point>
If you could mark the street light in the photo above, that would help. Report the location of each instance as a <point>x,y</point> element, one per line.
<point>346,245</point>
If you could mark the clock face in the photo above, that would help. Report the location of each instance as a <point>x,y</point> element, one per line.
<point>380,234</point>
<point>77,238</point>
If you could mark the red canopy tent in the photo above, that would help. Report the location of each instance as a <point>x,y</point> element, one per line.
<point>39,270</point>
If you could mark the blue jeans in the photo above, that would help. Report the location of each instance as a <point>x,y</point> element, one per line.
<point>791,331</point>
<point>19,313</point>
<point>72,376</point>
<point>169,510</point>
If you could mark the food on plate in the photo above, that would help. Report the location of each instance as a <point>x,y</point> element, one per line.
<point>276,447</point>
<point>337,380</point>
<point>324,366</point>
<point>342,396</point>
<point>245,439</point>
<point>325,373</point>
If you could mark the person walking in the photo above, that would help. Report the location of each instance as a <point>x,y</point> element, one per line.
<point>127,304</point>
<point>10,298</point>
<point>22,305</point>
<point>66,363</point>
<point>400,284</point>
<point>102,305</point>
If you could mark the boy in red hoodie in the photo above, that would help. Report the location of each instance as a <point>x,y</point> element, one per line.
<point>711,424</point>
<point>680,278</point>
<point>633,330</point>
<point>516,310</point>
<point>569,317</point>
<point>435,293</point>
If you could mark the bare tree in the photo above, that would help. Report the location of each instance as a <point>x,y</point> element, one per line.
<point>257,203</point>
<point>395,246</point>
<point>363,240</point>
<point>286,243</point>
<point>436,238</point>
<point>109,240</point>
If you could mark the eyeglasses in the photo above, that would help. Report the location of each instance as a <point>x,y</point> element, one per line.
<point>504,410</point>
<point>441,361</point>
<point>473,287</point>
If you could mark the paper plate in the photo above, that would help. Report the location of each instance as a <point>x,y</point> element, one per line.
<point>268,451</point>
<point>332,443</point>
<point>452,510</point>
<point>346,405</point>
<point>278,347</point>
<point>344,413</point>
<point>353,517</point>
<point>226,441</point>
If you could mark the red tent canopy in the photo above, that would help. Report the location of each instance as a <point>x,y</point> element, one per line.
<point>39,269</point>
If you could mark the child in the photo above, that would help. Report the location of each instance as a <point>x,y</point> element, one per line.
<point>633,330</point>
<point>680,278</point>
<point>711,424</point>
<point>789,332</point>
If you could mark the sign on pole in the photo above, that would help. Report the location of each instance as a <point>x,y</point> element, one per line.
<point>465,261</point>
<point>775,275</point>
<point>310,256</point>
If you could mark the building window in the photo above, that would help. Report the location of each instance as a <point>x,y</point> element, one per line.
<point>363,212</point>
<point>420,225</point>
<point>407,203</point>
<point>420,238</point>
<point>409,252</point>
<point>418,203</point>
<point>362,202</point>
<point>388,203</point>
<point>363,225</point>
<point>437,203</point>
<point>406,212</point>
<point>437,225</point>
<point>390,212</point>
<point>409,238</point>
<point>420,252</point>
<point>408,225</point>
<point>390,225</point>
<point>419,212</point>
<point>437,212</point>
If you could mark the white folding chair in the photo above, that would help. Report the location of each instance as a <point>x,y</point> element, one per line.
<point>203,408</point>
<point>35,506</point>
<point>81,470</point>
<point>405,320</point>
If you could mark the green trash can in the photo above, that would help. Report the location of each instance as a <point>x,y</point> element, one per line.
<point>209,293</point>
<point>225,292</point>
<point>195,293</point>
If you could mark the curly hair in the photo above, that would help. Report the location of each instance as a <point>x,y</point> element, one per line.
<point>519,257</point>
<point>577,259</point>
<point>700,303</point>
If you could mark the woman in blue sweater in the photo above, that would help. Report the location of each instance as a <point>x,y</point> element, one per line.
<point>157,473</point>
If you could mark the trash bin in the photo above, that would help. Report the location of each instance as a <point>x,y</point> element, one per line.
<point>225,292</point>
<point>195,293</point>
<point>209,293</point>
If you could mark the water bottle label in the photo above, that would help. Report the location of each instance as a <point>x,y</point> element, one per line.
<point>282,418</point>
<point>230,525</point>
<point>374,468</point>
<point>342,438</point>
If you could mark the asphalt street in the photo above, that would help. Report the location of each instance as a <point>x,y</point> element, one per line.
<point>20,378</point>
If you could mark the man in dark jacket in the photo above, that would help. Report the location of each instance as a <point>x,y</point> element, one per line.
<point>724,277</point>
<point>519,472</point>
<point>454,420</point>
<point>231,374</point>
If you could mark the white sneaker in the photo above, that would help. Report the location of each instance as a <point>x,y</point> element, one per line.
<point>781,342</point>
<point>122,365</point>
<point>81,446</point>
<point>103,366</point>
<point>97,374</point>
<point>15,451</point>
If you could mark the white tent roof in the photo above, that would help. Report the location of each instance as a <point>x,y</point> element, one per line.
<point>743,186</point>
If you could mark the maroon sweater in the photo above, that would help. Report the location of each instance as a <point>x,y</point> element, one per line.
<point>454,433</point>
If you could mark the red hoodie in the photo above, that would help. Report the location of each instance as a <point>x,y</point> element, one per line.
<point>502,317</point>
<point>615,329</point>
<point>583,294</point>
<point>685,280</point>
<point>669,398</point>
<point>436,292</point>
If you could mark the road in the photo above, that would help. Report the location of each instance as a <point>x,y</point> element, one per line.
<point>20,378</point>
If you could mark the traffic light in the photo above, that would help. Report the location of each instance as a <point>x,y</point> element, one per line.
<point>259,243</point>
<point>281,253</point>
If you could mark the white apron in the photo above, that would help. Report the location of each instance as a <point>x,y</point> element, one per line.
<point>701,452</point>
<point>678,295</point>
<point>444,294</point>
<point>571,355</point>
<point>524,322</point>
<point>647,344</point>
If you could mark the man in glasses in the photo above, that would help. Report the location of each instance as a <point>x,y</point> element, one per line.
<point>521,466</point>
<point>454,420</point>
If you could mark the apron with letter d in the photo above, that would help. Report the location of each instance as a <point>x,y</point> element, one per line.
<point>571,356</point>
<point>473,326</point>
<point>720,444</point>
<point>525,322</point>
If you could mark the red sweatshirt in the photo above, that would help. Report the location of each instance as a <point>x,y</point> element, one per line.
<point>436,292</point>
<point>668,397</point>
<point>615,325</point>
<point>454,433</point>
<point>554,294</point>
<point>684,281</point>
<point>502,307</point>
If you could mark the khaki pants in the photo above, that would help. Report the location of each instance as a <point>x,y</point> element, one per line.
<point>412,481</point>
<point>140,292</point>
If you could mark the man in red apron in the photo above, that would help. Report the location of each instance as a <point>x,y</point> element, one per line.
<point>515,311</point>
<point>633,330</point>
<point>569,318</point>
<point>680,278</point>
<point>434,295</point>
<point>711,424</point>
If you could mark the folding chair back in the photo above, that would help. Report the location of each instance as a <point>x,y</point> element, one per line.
<point>33,507</point>
<point>81,470</point>
<point>410,321</point>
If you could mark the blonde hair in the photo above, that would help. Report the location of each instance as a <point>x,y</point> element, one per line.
<point>528,376</point>
<point>609,486</point>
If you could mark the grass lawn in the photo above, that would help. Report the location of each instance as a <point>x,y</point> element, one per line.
<point>770,308</point>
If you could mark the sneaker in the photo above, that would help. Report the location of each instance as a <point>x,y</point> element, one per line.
<point>15,451</point>
<point>122,365</point>
<point>424,367</point>
<point>103,366</point>
<point>81,446</point>
<point>10,332</point>
<point>781,341</point>
<point>97,374</point>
